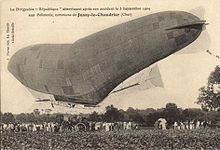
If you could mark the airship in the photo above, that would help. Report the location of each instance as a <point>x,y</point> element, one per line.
<point>87,71</point>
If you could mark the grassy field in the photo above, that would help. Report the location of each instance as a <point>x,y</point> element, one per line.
<point>133,139</point>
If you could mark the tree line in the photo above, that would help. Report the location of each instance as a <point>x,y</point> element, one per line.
<point>145,117</point>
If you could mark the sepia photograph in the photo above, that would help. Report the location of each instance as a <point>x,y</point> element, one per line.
<point>110,74</point>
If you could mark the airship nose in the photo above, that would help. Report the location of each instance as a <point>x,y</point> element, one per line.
<point>14,65</point>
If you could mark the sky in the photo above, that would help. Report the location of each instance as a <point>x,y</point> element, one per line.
<point>182,73</point>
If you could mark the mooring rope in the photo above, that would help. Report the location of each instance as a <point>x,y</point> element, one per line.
<point>210,53</point>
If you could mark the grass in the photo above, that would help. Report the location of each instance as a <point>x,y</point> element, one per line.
<point>124,139</point>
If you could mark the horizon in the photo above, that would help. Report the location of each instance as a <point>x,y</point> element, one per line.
<point>42,111</point>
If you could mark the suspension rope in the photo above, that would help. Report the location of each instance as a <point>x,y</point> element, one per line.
<point>210,53</point>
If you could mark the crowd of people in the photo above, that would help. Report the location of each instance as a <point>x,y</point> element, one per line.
<point>96,126</point>
<point>194,124</point>
<point>189,124</point>
<point>68,126</point>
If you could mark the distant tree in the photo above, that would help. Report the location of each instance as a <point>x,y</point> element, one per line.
<point>36,112</point>
<point>94,117</point>
<point>130,109</point>
<point>22,118</point>
<point>213,116</point>
<point>171,106</point>
<point>209,95</point>
<point>192,114</point>
<point>1,116</point>
<point>31,117</point>
<point>135,115</point>
<point>46,118</point>
<point>8,118</point>
<point>125,115</point>
<point>148,111</point>
<point>153,117</point>
<point>112,114</point>
<point>172,113</point>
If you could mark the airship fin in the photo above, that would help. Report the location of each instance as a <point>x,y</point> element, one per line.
<point>40,97</point>
<point>156,77</point>
<point>146,79</point>
<point>199,12</point>
<point>195,25</point>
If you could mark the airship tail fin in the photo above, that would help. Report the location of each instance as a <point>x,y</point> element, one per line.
<point>40,97</point>
<point>146,79</point>
<point>153,79</point>
<point>156,77</point>
<point>199,12</point>
<point>194,25</point>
